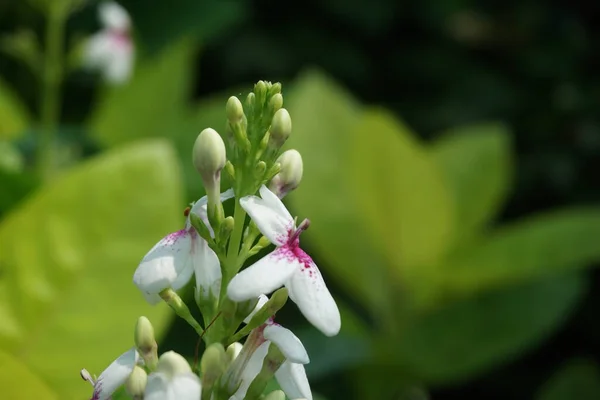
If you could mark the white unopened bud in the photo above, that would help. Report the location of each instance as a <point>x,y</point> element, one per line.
<point>173,364</point>
<point>145,341</point>
<point>209,156</point>
<point>289,175</point>
<point>234,109</point>
<point>135,385</point>
<point>276,395</point>
<point>233,350</point>
<point>281,127</point>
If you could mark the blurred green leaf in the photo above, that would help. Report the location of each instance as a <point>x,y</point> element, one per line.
<point>14,118</point>
<point>475,161</point>
<point>579,379</point>
<point>152,103</point>
<point>15,186</point>
<point>11,159</point>
<point>67,257</point>
<point>323,115</point>
<point>526,249</point>
<point>18,382</point>
<point>466,338</point>
<point>401,192</point>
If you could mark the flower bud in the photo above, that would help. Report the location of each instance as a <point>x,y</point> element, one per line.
<point>171,364</point>
<point>209,156</point>
<point>260,169</point>
<point>146,342</point>
<point>274,89</point>
<point>260,90</point>
<point>270,365</point>
<point>135,385</point>
<point>212,365</point>
<point>276,395</point>
<point>234,109</point>
<point>276,102</point>
<point>226,229</point>
<point>289,176</point>
<point>281,128</point>
<point>233,350</point>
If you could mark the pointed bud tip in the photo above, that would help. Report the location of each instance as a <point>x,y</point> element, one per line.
<point>144,334</point>
<point>172,364</point>
<point>135,385</point>
<point>290,173</point>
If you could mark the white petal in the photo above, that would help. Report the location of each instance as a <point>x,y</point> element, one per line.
<point>289,344</point>
<point>207,269</point>
<point>167,261</point>
<point>157,387</point>
<point>262,299</point>
<point>120,66</point>
<point>270,216</point>
<point>200,209</point>
<point>252,369</point>
<point>292,379</point>
<point>97,52</point>
<point>115,374</point>
<point>185,387</point>
<point>264,276</point>
<point>113,16</point>
<point>307,289</point>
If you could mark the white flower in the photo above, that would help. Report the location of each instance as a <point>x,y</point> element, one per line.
<point>290,375</point>
<point>111,50</point>
<point>287,266</point>
<point>114,376</point>
<point>173,260</point>
<point>173,380</point>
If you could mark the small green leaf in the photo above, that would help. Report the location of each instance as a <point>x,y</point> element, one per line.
<point>579,379</point>
<point>152,103</point>
<point>401,193</point>
<point>67,258</point>
<point>466,338</point>
<point>323,115</point>
<point>526,249</point>
<point>18,382</point>
<point>475,161</point>
<point>14,118</point>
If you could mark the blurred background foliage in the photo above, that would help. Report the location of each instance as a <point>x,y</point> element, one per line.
<point>450,156</point>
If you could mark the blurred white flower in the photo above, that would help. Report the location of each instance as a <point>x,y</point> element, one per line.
<point>173,380</point>
<point>111,51</point>
<point>288,265</point>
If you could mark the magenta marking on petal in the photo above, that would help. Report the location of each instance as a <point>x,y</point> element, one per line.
<point>171,238</point>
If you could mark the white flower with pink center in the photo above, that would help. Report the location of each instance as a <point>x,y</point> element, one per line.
<point>288,265</point>
<point>291,375</point>
<point>175,258</point>
<point>111,50</point>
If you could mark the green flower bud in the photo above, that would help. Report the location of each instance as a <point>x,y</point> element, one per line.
<point>260,90</point>
<point>180,308</point>
<point>276,102</point>
<point>212,365</point>
<point>234,109</point>
<point>226,229</point>
<point>271,364</point>
<point>230,170</point>
<point>281,128</point>
<point>274,89</point>
<point>260,169</point>
<point>135,385</point>
<point>171,364</point>
<point>276,395</point>
<point>209,157</point>
<point>289,176</point>
<point>145,342</point>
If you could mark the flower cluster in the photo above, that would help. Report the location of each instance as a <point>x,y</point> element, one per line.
<point>213,248</point>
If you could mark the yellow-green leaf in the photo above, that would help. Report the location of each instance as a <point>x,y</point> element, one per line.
<point>152,103</point>
<point>524,250</point>
<point>14,118</point>
<point>68,255</point>
<point>475,161</point>
<point>18,382</point>
<point>323,116</point>
<point>578,379</point>
<point>401,193</point>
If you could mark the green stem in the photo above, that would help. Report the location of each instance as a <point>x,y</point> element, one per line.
<point>231,267</point>
<point>50,99</point>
